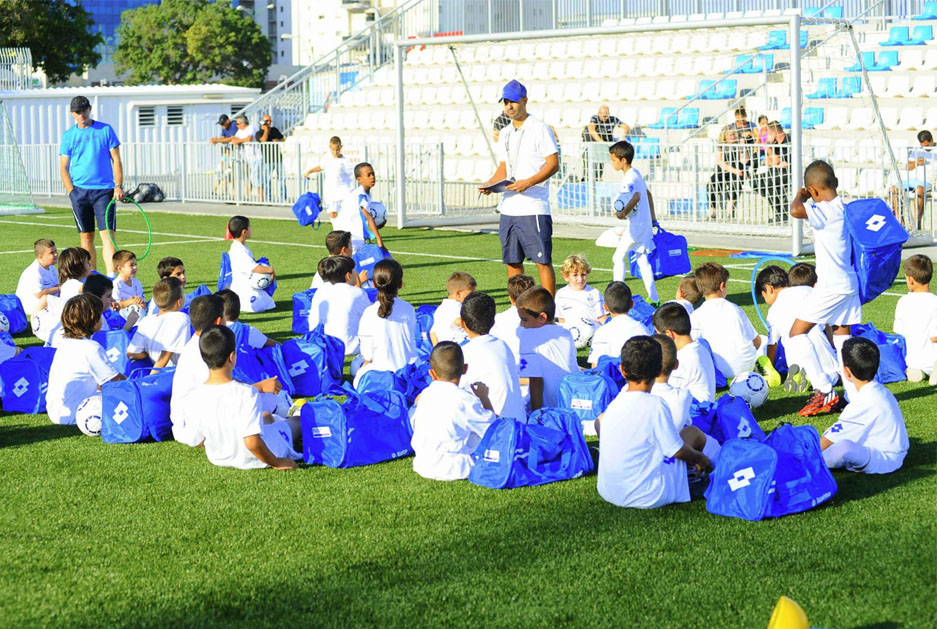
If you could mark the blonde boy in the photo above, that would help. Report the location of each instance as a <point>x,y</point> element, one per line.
<point>547,350</point>
<point>40,279</point>
<point>916,319</point>
<point>577,304</point>
<point>445,320</point>
<point>163,337</point>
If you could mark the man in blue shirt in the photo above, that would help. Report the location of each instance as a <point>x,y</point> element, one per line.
<point>89,163</point>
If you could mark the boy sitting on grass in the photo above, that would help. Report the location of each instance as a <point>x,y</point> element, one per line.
<point>688,294</point>
<point>244,333</point>
<point>40,279</point>
<point>163,337</point>
<point>609,339</point>
<point>168,267</point>
<point>445,326</point>
<point>338,243</point>
<point>508,322</point>
<point>128,291</point>
<point>916,319</point>
<point>578,304</point>
<point>547,350</point>
<point>243,267</point>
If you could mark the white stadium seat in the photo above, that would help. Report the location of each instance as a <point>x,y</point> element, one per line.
<point>924,86</point>
<point>931,117</point>
<point>834,118</point>
<point>899,86</point>
<point>664,88</point>
<point>889,117</point>
<point>912,118</point>
<point>627,68</point>
<point>930,59</point>
<point>572,92</point>
<point>910,59</point>
<point>860,118</point>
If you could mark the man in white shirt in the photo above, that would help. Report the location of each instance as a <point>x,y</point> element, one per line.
<point>528,156</point>
<point>339,304</point>
<point>611,337</point>
<point>339,179</point>
<point>921,171</point>
<point>547,350</point>
<point>250,155</point>
<point>40,278</point>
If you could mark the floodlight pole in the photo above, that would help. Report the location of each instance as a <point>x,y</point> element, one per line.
<point>797,156</point>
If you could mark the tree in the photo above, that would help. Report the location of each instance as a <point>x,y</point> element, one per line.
<point>191,41</point>
<point>57,32</point>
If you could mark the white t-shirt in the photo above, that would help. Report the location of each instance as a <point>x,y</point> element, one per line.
<point>123,291</point>
<point>169,331</point>
<point>33,279</point>
<point>678,401</point>
<point>611,337</point>
<point>524,152</point>
<point>448,422</point>
<point>696,372</point>
<point>781,317</point>
<point>317,281</point>
<point>222,415</point>
<point>916,321</point>
<point>872,419</point>
<point>389,343</point>
<point>833,246</point>
<point>79,367</point>
<point>506,325</point>
<point>191,371</point>
<point>349,217</point>
<point>728,332</point>
<point>686,305</point>
<point>489,360</point>
<point>339,308</point>
<point>444,326</point>
<point>249,150</point>
<point>579,304</point>
<point>637,444</point>
<point>339,178</point>
<point>255,338</point>
<point>547,352</point>
<point>242,265</point>
<point>69,289</point>
<point>637,226</point>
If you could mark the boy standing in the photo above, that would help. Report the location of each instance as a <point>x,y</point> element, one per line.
<point>354,216</point>
<point>243,265</point>
<point>40,278</point>
<point>339,177</point>
<point>916,319</point>
<point>547,350</point>
<point>609,339</point>
<point>445,320</point>
<point>695,369</point>
<point>163,337</point>
<point>508,322</point>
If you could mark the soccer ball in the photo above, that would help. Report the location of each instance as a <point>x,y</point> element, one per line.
<point>379,213</point>
<point>140,310</point>
<point>582,330</point>
<point>259,280</point>
<point>4,323</point>
<point>88,416</point>
<point>750,386</point>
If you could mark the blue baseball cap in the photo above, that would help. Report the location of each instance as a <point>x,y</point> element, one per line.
<point>513,91</point>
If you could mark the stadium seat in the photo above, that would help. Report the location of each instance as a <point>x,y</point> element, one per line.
<point>685,86</point>
<point>929,12</point>
<point>860,118</point>
<point>899,86</point>
<point>668,119</point>
<point>664,66</point>
<point>719,41</point>
<point>661,44</point>
<point>627,66</point>
<point>912,59</point>
<point>646,90</point>
<point>835,118</point>
<point>848,86</point>
<point>878,83</point>
<point>726,90</point>
<point>737,41</point>
<point>646,116</point>
<point>688,118</point>
<point>743,64</point>
<point>573,92</point>
<point>930,118</point>
<point>699,43</point>
<point>897,36</point>
<point>912,118</point>
<point>785,118</point>
<point>812,12</point>
<point>887,59</point>
<point>664,88</point>
<point>811,117</point>
<point>868,60</point>
<point>835,13</point>
<point>826,88</point>
<point>930,59</point>
<point>680,43</point>
<point>820,148</point>
<point>890,116</point>
<point>922,35</point>
<point>702,65</point>
<point>925,86</point>
<point>704,90</point>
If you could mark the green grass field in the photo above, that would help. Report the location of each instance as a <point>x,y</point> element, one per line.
<point>154,535</point>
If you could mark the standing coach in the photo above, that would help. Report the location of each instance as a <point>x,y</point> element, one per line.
<point>89,163</point>
<point>527,154</point>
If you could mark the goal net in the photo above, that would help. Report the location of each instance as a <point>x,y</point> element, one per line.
<point>15,195</point>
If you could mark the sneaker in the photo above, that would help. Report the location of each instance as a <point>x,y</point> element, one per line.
<point>914,375</point>
<point>814,405</point>
<point>296,407</point>
<point>766,369</point>
<point>796,381</point>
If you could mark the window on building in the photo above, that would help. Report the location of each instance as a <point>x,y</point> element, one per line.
<point>175,116</point>
<point>146,116</point>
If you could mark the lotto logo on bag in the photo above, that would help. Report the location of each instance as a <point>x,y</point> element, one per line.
<point>741,478</point>
<point>21,387</point>
<point>120,413</point>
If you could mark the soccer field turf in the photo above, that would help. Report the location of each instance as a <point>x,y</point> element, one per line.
<point>154,535</point>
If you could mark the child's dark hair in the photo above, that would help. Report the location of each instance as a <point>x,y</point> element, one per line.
<point>689,289</point>
<point>232,304</point>
<point>919,268</point>
<point>72,263</point>
<point>167,292</point>
<point>741,112</point>
<point>478,312</point>
<point>672,317</point>
<point>97,285</point>
<point>618,298</point>
<point>668,353</point>
<point>819,174</point>
<point>167,265</point>
<point>460,280</point>
<point>622,150</point>
<point>641,358</point>
<point>335,140</point>
<point>447,360</point>
<point>80,315</point>
<point>773,276</point>
<point>42,245</point>
<point>802,274</point>
<point>337,240</point>
<point>517,284</point>
<point>387,278</point>
<point>216,344</point>
<point>924,136</point>
<point>359,168</point>
<point>537,301</point>
<point>861,356</point>
<point>205,310</point>
<point>709,277</point>
<point>763,117</point>
<point>237,225</point>
<point>122,257</point>
<point>334,269</point>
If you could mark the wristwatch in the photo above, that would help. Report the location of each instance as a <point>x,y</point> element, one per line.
<point>120,185</point>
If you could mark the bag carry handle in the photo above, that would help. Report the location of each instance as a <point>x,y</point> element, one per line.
<point>134,371</point>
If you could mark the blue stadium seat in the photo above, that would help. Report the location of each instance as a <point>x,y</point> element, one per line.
<point>833,12</point>
<point>743,65</point>
<point>688,118</point>
<point>848,86</point>
<point>785,119</point>
<point>897,36</point>
<point>777,40</point>
<point>921,35</point>
<point>667,120</point>
<point>812,116</point>
<point>868,60</point>
<point>929,12</point>
<point>646,148</point>
<point>812,12</point>
<point>803,39</point>
<point>726,90</point>
<point>826,88</point>
<point>704,90</point>
<point>763,63</point>
<point>887,59</point>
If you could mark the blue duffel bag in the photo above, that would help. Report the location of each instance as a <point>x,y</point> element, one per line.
<point>314,362</point>
<point>25,380</point>
<point>137,409</point>
<point>670,256</point>
<point>892,349</point>
<point>586,393</point>
<point>12,308</point>
<point>301,303</point>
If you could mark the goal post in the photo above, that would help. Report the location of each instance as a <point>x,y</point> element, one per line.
<point>15,194</point>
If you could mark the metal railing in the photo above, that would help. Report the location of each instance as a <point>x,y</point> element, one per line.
<point>16,69</point>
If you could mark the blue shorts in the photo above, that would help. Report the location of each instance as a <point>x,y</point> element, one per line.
<point>529,237</point>
<point>89,206</point>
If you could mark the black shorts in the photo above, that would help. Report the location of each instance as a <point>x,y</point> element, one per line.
<point>529,237</point>
<point>89,205</point>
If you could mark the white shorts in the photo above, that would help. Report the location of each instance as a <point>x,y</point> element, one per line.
<point>829,308</point>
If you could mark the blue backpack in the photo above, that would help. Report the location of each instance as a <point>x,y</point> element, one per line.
<point>367,256</point>
<point>12,309</point>
<point>200,291</point>
<point>587,394</point>
<point>802,478</point>
<point>642,312</point>
<point>272,288</point>
<point>549,447</point>
<point>733,419</point>
<point>424,322</point>
<point>314,362</point>
<point>741,484</point>
<point>892,349</point>
<point>224,272</point>
<point>137,410</point>
<point>414,377</point>
<point>670,256</point>
<point>610,366</point>
<point>25,380</point>
<point>115,344</point>
<point>368,428</point>
<point>876,237</point>
<point>377,380</point>
<point>254,365</point>
<point>301,303</point>
<point>307,209</point>
<point>702,415</point>
<point>114,320</point>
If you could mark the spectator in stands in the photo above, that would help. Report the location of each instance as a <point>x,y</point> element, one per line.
<point>743,127</point>
<point>499,123</point>
<point>601,128</point>
<point>762,129</point>
<point>921,170</point>
<point>250,158</point>
<point>272,158</point>
<point>732,163</point>
<point>775,181</point>
<point>227,131</point>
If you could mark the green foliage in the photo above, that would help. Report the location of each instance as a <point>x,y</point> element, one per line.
<point>57,32</point>
<point>191,41</point>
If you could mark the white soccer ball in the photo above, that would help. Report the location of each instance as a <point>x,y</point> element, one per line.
<point>140,310</point>
<point>259,280</point>
<point>88,416</point>
<point>750,386</point>
<point>379,213</point>
<point>582,330</point>
<point>4,323</point>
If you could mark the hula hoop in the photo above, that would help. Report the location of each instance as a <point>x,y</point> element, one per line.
<point>755,276</point>
<point>149,230</point>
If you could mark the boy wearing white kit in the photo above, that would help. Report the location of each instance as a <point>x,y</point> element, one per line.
<point>353,215</point>
<point>870,435</point>
<point>638,209</point>
<point>577,303</point>
<point>448,421</point>
<point>695,370</point>
<point>507,323</point>
<point>168,267</point>
<point>916,319</point>
<point>243,265</point>
<point>40,278</point>
<point>339,304</point>
<point>609,339</point>
<point>445,319</point>
<point>128,291</point>
<point>678,399</point>
<point>339,177</point>
<point>338,243</point>
<point>243,333</point>
<point>547,350</point>
<point>162,338</point>
<point>489,359</point>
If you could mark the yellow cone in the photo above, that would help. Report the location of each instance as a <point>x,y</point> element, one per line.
<point>788,615</point>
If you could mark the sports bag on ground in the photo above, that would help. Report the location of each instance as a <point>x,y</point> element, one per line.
<point>25,380</point>
<point>549,447</point>
<point>733,419</point>
<point>642,312</point>
<point>307,209</point>
<point>145,193</point>
<point>892,349</point>
<point>301,302</point>
<point>367,256</point>
<point>225,273</point>
<point>115,344</point>
<point>137,410</point>
<point>587,394</point>
<point>200,291</point>
<point>314,362</point>
<point>12,309</point>
<point>610,366</point>
<point>254,365</point>
<point>414,378</point>
<point>669,258</point>
<point>368,428</point>
<point>377,380</point>
<point>424,322</point>
<point>876,237</point>
<point>802,479</point>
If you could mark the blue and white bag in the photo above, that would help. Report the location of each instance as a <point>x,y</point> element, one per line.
<point>307,209</point>
<point>610,366</point>
<point>733,419</point>
<point>200,291</point>
<point>137,410</point>
<point>377,380</point>
<point>876,237</point>
<point>254,365</point>
<point>314,362</point>
<point>25,380</point>
<point>368,428</point>
<point>114,320</point>
<point>892,350</point>
<point>12,309</point>
<point>367,256</point>
<point>741,484</point>
<point>642,312</point>
<point>669,258</point>
<point>301,303</point>
<point>115,344</point>
<point>414,377</point>
<point>802,479</point>
<point>424,323</point>
<point>550,447</point>
<point>225,274</point>
<point>587,394</point>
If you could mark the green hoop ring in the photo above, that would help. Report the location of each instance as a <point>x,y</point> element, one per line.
<point>755,270</point>
<point>149,229</point>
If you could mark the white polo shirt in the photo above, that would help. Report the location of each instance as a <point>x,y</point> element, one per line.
<point>489,360</point>
<point>874,420</point>
<point>524,151</point>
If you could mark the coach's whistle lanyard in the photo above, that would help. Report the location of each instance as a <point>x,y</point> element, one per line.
<point>512,164</point>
